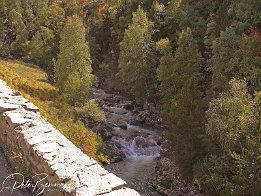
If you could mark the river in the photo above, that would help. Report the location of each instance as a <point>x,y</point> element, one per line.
<point>139,144</point>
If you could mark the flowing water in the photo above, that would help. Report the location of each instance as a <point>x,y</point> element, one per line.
<point>141,145</point>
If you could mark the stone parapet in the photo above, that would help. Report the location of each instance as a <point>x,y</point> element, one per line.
<point>49,155</point>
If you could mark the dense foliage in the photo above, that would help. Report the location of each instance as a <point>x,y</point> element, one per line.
<point>136,61</point>
<point>199,61</point>
<point>72,70</point>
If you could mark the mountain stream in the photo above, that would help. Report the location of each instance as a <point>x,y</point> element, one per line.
<point>139,142</point>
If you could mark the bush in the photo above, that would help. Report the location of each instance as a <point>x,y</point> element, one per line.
<point>32,83</point>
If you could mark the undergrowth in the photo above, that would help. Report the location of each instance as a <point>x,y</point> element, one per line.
<point>32,83</point>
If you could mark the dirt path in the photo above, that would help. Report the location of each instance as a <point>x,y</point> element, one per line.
<point>5,171</point>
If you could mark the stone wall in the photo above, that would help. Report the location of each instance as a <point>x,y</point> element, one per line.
<point>44,150</point>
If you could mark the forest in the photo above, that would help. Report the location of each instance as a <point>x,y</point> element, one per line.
<point>197,61</point>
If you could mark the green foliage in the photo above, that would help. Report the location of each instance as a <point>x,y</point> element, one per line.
<point>72,7</point>
<point>136,61</point>
<point>180,17</point>
<point>226,58</point>
<point>73,66</point>
<point>245,13</point>
<point>91,111</point>
<point>235,56</point>
<point>165,74</point>
<point>174,72</point>
<point>250,66</point>
<point>233,123</point>
<point>41,48</point>
<point>181,97</point>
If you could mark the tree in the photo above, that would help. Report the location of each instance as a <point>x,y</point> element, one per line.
<point>4,18</point>
<point>233,123</point>
<point>250,67</point>
<point>180,15</point>
<point>18,46</point>
<point>226,58</point>
<point>166,88</point>
<point>181,94</point>
<point>137,61</point>
<point>42,48</point>
<point>71,7</point>
<point>73,71</point>
<point>236,56</point>
<point>245,13</point>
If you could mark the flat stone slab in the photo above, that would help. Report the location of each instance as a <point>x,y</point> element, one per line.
<point>46,147</point>
<point>7,106</point>
<point>114,181</point>
<point>15,118</point>
<point>38,139</point>
<point>31,107</point>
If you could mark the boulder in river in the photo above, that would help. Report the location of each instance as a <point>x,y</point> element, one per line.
<point>123,125</point>
<point>148,118</point>
<point>114,151</point>
<point>143,142</point>
<point>104,130</point>
<point>115,121</point>
<point>128,106</point>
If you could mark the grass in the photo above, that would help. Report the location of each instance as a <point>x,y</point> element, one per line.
<point>32,83</point>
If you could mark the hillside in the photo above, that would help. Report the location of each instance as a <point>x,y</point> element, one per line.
<point>32,83</point>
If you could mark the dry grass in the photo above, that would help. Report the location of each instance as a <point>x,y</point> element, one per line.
<point>32,83</point>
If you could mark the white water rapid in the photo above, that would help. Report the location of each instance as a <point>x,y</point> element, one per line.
<point>139,143</point>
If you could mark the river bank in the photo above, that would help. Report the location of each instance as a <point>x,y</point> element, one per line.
<point>133,137</point>
<point>133,140</point>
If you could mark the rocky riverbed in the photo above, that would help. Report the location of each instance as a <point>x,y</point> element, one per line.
<point>168,181</point>
<point>130,130</point>
<point>133,138</point>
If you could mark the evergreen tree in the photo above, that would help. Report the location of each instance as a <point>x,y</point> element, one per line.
<point>250,67</point>
<point>73,71</point>
<point>137,61</point>
<point>245,13</point>
<point>181,95</point>
<point>226,58</point>
<point>166,88</point>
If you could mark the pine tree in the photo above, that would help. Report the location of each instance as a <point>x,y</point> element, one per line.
<point>181,96</point>
<point>73,71</point>
<point>137,61</point>
<point>226,58</point>
<point>166,88</point>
